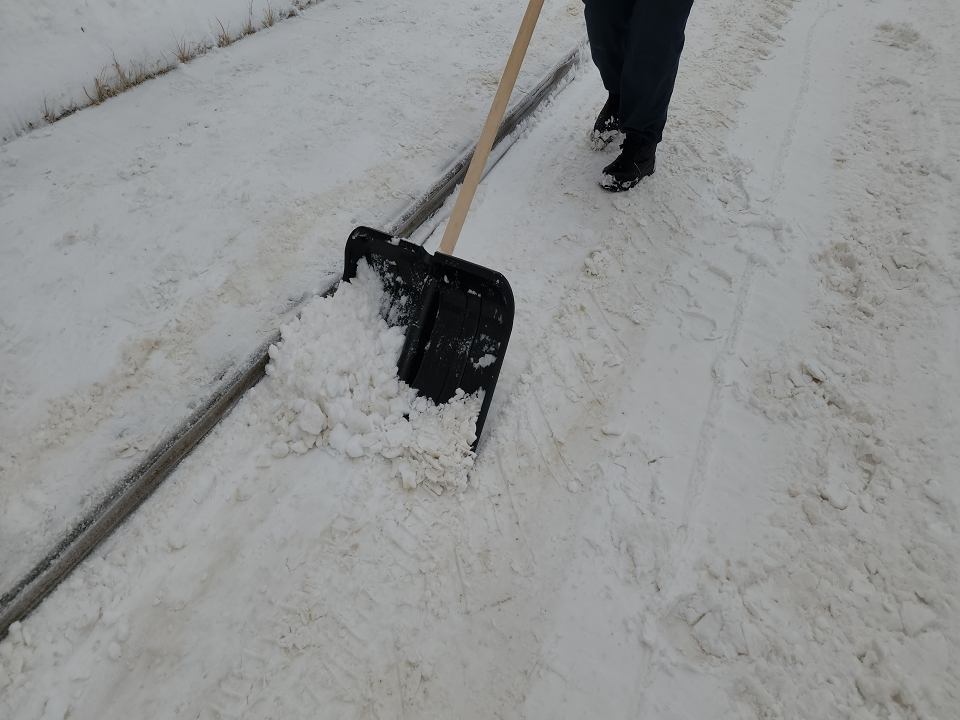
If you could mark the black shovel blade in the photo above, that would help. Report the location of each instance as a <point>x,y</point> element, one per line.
<point>458,315</point>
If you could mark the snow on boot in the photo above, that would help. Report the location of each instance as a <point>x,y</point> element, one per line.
<point>607,126</point>
<point>638,158</point>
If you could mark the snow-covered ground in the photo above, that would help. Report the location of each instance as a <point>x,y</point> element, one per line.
<point>158,239</point>
<point>51,51</point>
<point>720,475</point>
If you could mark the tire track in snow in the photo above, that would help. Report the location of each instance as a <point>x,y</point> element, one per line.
<point>707,436</point>
<point>658,607</point>
<point>698,478</point>
<point>778,177</point>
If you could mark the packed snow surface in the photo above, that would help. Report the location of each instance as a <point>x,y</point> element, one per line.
<point>333,383</point>
<point>160,238</point>
<point>719,477</point>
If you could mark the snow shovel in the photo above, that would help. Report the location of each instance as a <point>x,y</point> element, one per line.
<point>458,315</point>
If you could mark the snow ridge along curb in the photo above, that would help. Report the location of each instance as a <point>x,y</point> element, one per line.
<point>128,494</point>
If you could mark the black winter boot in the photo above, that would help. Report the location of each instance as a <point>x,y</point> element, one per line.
<point>638,158</point>
<point>607,126</point>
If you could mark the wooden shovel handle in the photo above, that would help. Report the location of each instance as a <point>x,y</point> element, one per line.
<point>489,133</point>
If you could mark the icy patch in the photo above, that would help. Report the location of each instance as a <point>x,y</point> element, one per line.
<point>332,382</point>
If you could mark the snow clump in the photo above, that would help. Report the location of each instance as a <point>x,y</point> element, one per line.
<point>332,382</point>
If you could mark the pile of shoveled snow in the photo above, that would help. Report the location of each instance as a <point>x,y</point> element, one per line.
<point>332,382</point>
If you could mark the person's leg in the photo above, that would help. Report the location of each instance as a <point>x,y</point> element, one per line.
<point>649,65</point>
<point>607,28</point>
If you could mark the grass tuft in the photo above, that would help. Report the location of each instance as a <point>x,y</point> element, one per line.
<point>248,27</point>
<point>122,80</point>
<point>99,92</point>
<point>184,52</point>
<point>107,85</point>
<point>223,37</point>
<point>49,112</point>
<point>269,16</point>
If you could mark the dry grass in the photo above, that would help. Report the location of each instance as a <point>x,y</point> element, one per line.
<point>223,37</point>
<point>269,16</point>
<point>122,80</point>
<point>116,78</point>
<point>113,83</point>
<point>99,91</point>
<point>49,112</point>
<point>185,52</point>
<point>248,27</point>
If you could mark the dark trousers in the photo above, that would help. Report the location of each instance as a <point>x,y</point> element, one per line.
<point>636,45</point>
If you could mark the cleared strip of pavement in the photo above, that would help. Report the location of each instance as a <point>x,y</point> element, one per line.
<point>135,487</point>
